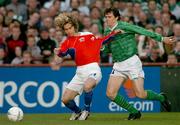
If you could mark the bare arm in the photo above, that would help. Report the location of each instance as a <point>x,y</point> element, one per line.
<point>57,60</point>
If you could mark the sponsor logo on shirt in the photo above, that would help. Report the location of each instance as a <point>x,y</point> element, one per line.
<point>82,39</point>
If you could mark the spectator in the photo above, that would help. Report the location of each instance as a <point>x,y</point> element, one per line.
<point>2,37</point>
<point>76,14</point>
<point>159,45</point>
<point>176,31</point>
<point>43,13</point>
<point>27,58</point>
<point>121,6</point>
<point>154,56</point>
<point>52,33</point>
<point>13,41</point>
<point>172,59</point>
<point>157,18</point>
<point>52,12</point>
<point>8,18</point>
<point>46,45</point>
<point>166,9</point>
<point>3,10</point>
<point>83,8</point>
<point>47,22</point>
<point>152,7</point>
<point>143,19</point>
<point>86,22</point>
<point>129,6</point>
<point>175,8</point>
<point>95,30</point>
<point>166,24</point>
<point>32,31</point>
<point>107,4</point>
<point>62,7</point>
<point>32,6</point>
<point>176,50</point>
<point>98,4</point>
<point>34,21</point>
<point>96,17</point>
<point>59,37</point>
<point>33,48</point>
<point>3,56</point>
<point>18,56</point>
<point>136,11</point>
<point>18,8</point>
<point>5,32</point>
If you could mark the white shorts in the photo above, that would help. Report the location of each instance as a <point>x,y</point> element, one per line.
<point>130,68</point>
<point>84,72</point>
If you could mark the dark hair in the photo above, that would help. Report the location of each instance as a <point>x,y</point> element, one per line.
<point>64,18</point>
<point>114,11</point>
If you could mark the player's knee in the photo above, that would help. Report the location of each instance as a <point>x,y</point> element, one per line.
<point>65,100</point>
<point>110,94</point>
<point>88,88</point>
<point>141,95</point>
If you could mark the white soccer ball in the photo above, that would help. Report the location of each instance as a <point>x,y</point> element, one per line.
<point>15,114</point>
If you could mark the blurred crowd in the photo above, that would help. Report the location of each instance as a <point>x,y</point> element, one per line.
<point>28,35</point>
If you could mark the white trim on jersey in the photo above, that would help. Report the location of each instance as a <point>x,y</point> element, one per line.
<point>85,33</point>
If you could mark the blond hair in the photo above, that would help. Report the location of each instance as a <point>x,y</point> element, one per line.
<point>64,18</point>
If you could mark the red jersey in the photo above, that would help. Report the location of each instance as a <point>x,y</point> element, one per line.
<point>84,48</point>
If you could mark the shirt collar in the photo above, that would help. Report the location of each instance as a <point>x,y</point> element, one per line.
<point>114,27</point>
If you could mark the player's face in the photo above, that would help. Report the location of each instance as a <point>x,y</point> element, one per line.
<point>69,29</point>
<point>111,19</point>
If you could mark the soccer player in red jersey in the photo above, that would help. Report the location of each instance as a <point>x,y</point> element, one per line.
<point>84,48</point>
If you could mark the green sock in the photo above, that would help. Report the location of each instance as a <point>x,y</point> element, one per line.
<point>120,100</point>
<point>151,95</point>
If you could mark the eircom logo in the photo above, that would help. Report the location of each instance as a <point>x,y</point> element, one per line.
<point>139,105</point>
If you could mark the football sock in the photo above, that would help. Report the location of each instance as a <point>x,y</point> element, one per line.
<point>151,95</point>
<point>87,100</point>
<point>72,106</point>
<point>120,100</point>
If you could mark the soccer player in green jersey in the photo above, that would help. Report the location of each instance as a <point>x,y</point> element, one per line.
<point>127,64</point>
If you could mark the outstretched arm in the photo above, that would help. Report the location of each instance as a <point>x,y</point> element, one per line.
<point>108,38</point>
<point>143,31</point>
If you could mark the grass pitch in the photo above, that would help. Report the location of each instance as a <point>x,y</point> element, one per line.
<point>96,119</point>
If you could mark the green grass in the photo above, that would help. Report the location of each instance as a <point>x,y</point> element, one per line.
<point>96,119</point>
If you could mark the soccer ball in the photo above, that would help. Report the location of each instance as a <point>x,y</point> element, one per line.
<point>15,114</point>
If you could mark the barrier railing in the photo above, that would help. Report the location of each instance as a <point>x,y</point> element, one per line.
<point>103,64</point>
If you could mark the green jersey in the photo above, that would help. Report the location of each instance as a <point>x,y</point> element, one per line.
<point>124,45</point>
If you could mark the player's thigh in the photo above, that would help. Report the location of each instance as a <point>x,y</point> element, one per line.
<point>92,80</point>
<point>114,84</point>
<point>76,84</point>
<point>69,95</point>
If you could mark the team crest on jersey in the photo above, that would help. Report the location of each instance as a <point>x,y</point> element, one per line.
<point>82,39</point>
<point>92,38</point>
